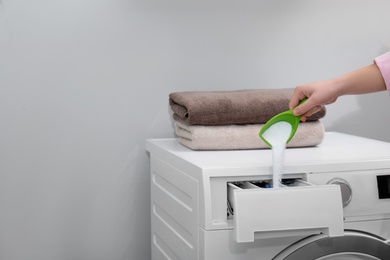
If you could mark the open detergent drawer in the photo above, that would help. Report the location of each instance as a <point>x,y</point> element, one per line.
<point>296,209</point>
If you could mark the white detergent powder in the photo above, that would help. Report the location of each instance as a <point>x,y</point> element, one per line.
<point>277,136</point>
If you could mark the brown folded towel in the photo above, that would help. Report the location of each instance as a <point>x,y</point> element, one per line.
<point>239,137</point>
<point>252,106</point>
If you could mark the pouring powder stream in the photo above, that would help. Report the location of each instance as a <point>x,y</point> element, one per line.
<point>277,135</point>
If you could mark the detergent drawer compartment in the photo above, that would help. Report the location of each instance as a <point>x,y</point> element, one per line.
<point>298,208</point>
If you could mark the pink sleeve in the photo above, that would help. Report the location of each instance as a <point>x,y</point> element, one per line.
<point>383,63</point>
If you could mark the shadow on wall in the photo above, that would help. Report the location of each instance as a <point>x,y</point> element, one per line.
<point>371,119</point>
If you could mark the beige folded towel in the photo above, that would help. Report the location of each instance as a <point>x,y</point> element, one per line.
<point>253,106</point>
<point>238,137</point>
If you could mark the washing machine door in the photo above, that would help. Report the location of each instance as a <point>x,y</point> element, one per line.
<point>353,245</point>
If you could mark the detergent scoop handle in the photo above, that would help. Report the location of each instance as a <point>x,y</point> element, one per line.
<point>300,103</point>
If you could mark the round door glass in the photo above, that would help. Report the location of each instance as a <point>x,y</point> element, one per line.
<point>348,256</point>
<point>353,245</point>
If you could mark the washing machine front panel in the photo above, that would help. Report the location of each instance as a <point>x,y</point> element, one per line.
<point>362,198</point>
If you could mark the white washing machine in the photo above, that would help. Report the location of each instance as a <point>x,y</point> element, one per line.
<point>211,205</point>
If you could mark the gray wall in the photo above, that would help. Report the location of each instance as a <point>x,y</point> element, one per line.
<point>84,83</point>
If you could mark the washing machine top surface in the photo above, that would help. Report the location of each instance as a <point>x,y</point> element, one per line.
<point>337,152</point>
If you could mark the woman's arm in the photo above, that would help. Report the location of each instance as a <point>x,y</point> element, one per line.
<point>364,80</point>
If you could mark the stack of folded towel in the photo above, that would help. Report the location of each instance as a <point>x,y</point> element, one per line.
<point>231,120</point>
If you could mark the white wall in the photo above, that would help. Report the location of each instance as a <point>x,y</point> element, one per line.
<point>84,83</point>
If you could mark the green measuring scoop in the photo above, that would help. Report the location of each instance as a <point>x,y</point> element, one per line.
<point>286,116</point>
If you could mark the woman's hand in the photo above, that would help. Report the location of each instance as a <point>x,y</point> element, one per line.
<point>318,94</point>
